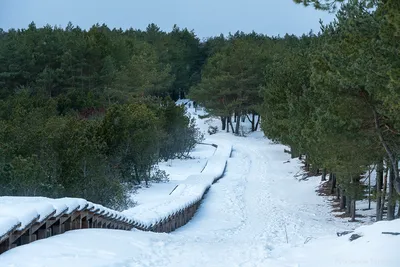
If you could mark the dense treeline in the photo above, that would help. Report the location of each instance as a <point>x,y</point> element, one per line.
<point>90,113</point>
<point>332,97</point>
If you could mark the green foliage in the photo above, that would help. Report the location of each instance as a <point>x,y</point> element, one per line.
<point>232,76</point>
<point>332,97</point>
<point>79,115</point>
<point>181,132</point>
<point>132,137</point>
<point>144,74</point>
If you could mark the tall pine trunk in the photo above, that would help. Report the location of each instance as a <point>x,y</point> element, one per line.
<point>323,177</point>
<point>333,183</point>
<point>348,205</point>
<point>342,203</point>
<point>230,123</point>
<point>237,124</point>
<point>391,202</point>
<point>379,181</point>
<point>293,152</point>
<point>353,210</point>
<point>383,196</point>
<point>253,122</point>
<point>398,211</point>
<point>223,121</point>
<point>258,122</point>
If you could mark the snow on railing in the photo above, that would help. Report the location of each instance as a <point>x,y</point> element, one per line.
<point>179,207</point>
<point>26,219</point>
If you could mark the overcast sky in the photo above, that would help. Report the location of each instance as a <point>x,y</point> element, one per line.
<point>205,17</point>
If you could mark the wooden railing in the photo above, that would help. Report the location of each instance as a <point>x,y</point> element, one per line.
<point>80,218</point>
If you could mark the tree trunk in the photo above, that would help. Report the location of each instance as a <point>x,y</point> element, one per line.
<point>323,177</point>
<point>137,175</point>
<point>147,177</point>
<point>342,200</point>
<point>234,117</point>
<point>353,210</point>
<point>391,202</point>
<point>338,192</point>
<point>223,121</point>
<point>369,190</point>
<point>253,123</point>
<point>379,181</point>
<point>230,123</point>
<point>398,211</point>
<point>314,170</point>
<point>293,152</point>
<point>348,205</point>
<point>258,121</point>
<point>384,186</point>
<point>307,166</point>
<point>237,124</point>
<point>333,184</point>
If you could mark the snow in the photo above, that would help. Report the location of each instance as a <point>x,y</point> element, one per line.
<point>364,251</point>
<point>26,214</point>
<point>178,170</point>
<point>184,194</point>
<point>7,224</point>
<point>258,214</point>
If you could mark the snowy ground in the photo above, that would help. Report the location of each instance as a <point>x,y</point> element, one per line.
<point>258,214</point>
<point>178,170</point>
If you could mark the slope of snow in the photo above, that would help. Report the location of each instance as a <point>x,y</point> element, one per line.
<point>372,249</point>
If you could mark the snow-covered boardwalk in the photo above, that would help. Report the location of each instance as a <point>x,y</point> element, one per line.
<point>27,219</point>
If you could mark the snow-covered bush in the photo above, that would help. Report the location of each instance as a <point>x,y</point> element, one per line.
<point>159,176</point>
<point>212,130</point>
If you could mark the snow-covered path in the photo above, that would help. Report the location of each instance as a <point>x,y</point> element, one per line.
<point>244,216</point>
<point>241,222</point>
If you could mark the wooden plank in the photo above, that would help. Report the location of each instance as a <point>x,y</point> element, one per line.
<point>43,233</point>
<point>76,223</point>
<point>84,207</point>
<point>17,234</point>
<point>94,210</point>
<point>85,223</point>
<point>57,229</point>
<point>7,235</point>
<point>37,225</point>
<point>53,220</point>
<point>27,238</point>
<point>4,246</point>
<point>67,225</point>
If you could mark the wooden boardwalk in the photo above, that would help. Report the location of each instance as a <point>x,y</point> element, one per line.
<point>88,216</point>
